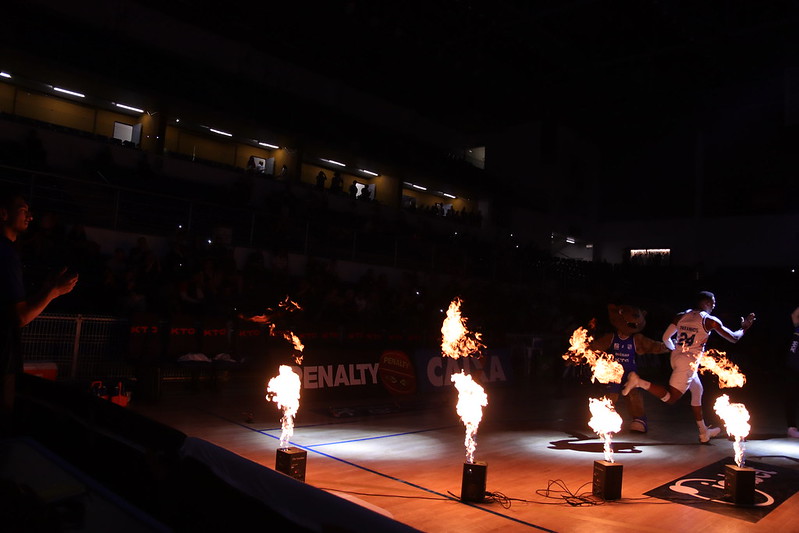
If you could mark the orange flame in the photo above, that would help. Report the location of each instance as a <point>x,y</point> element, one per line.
<point>287,306</point>
<point>604,368</point>
<point>604,421</point>
<point>471,400</point>
<point>457,341</point>
<point>298,346</point>
<point>736,420</point>
<point>284,390</point>
<point>727,371</point>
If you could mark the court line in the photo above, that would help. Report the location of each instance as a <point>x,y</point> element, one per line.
<point>390,477</point>
<point>378,437</point>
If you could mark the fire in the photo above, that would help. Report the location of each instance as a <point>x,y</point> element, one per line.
<point>604,421</point>
<point>284,390</point>
<point>736,420</point>
<point>457,341</point>
<point>285,307</point>
<point>471,400</point>
<point>298,346</point>
<point>727,371</point>
<point>604,368</point>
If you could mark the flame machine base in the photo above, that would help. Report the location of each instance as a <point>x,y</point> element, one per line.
<point>473,485</point>
<point>291,461</point>
<point>739,484</point>
<point>607,480</point>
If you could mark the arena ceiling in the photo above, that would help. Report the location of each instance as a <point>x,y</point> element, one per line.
<point>482,65</point>
<point>614,70</point>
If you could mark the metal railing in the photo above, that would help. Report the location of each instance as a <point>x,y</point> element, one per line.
<point>82,347</point>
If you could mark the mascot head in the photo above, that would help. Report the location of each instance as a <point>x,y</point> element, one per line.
<point>626,319</point>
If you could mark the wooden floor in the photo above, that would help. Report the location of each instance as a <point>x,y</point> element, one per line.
<point>535,441</point>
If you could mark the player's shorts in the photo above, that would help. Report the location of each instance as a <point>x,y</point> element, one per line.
<point>682,372</point>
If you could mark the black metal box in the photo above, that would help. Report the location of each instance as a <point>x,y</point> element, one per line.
<point>473,485</point>
<point>739,484</point>
<point>291,461</point>
<point>607,480</point>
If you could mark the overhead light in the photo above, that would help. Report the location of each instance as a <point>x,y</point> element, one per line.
<point>448,195</point>
<point>269,145</point>
<point>72,93</point>
<point>334,162</point>
<point>369,172</point>
<point>5,74</point>
<point>129,108</point>
<point>219,132</point>
<point>419,187</point>
<point>570,240</point>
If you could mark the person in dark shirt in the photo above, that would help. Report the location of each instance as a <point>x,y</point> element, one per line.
<point>16,308</point>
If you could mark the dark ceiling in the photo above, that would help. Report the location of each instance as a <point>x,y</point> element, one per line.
<point>610,69</point>
<point>479,66</point>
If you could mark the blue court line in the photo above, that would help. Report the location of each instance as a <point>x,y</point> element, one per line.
<point>414,485</point>
<point>393,478</point>
<point>378,437</point>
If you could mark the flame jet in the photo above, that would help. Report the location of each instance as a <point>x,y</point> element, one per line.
<point>604,368</point>
<point>284,390</point>
<point>736,420</point>
<point>605,421</point>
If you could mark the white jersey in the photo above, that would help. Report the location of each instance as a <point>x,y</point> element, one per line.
<point>691,334</point>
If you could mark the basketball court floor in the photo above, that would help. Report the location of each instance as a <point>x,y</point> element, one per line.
<point>405,458</point>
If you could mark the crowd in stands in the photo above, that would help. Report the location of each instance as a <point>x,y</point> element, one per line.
<point>505,288</point>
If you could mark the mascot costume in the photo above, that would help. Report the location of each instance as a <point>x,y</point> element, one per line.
<point>624,343</point>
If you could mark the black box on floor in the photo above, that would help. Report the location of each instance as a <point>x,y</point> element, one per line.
<point>607,480</point>
<point>291,461</point>
<point>739,484</point>
<point>473,485</point>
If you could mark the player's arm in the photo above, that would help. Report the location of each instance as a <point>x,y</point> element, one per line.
<point>671,331</point>
<point>714,324</point>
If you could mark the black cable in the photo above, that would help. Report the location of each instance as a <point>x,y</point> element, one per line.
<point>497,497</point>
<point>383,495</point>
<point>575,499</point>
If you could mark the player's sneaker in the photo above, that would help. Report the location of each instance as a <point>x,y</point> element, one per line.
<point>632,382</point>
<point>709,433</point>
<point>638,425</point>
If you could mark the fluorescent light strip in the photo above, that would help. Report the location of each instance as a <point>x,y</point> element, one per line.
<point>65,91</point>
<point>418,187</point>
<point>218,132</point>
<point>5,74</point>
<point>269,145</point>
<point>129,108</point>
<point>334,162</point>
<point>369,172</point>
<point>448,195</point>
<point>569,240</point>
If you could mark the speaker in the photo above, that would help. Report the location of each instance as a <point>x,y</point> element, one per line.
<point>739,484</point>
<point>291,461</point>
<point>607,480</point>
<point>473,485</point>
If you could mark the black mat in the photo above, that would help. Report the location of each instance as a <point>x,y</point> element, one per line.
<point>704,489</point>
